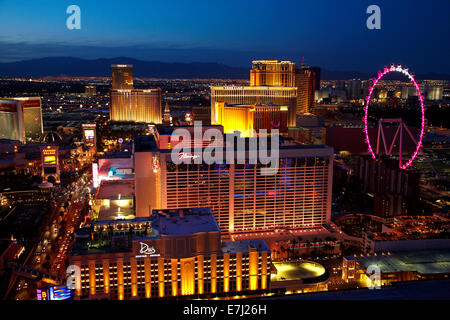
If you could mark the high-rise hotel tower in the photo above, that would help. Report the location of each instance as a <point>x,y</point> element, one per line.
<point>243,200</point>
<point>262,96</point>
<point>122,76</point>
<point>21,119</point>
<point>307,80</point>
<point>128,104</point>
<point>271,82</point>
<point>272,73</point>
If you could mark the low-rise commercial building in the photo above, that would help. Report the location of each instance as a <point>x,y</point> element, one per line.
<point>171,253</point>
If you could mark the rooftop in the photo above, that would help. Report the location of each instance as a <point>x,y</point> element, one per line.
<point>424,262</point>
<point>115,213</point>
<point>416,227</point>
<point>167,130</point>
<point>147,143</point>
<point>115,189</point>
<point>184,221</point>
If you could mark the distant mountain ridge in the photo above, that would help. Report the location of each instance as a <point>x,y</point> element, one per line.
<point>77,67</point>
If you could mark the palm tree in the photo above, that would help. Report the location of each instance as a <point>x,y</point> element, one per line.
<point>294,243</point>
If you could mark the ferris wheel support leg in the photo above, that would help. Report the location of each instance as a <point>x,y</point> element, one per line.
<point>384,139</point>
<point>380,126</point>
<point>401,143</point>
<point>399,129</point>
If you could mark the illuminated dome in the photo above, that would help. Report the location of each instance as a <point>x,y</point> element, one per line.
<point>46,185</point>
<point>51,137</point>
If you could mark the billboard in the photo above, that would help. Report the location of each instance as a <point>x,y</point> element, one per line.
<point>89,134</point>
<point>49,160</point>
<point>61,292</point>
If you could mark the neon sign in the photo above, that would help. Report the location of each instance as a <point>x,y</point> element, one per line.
<point>61,292</point>
<point>184,155</point>
<point>145,250</point>
<point>49,160</point>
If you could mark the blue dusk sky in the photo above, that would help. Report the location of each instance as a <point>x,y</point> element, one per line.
<point>328,33</point>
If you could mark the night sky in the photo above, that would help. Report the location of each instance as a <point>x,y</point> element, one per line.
<point>331,34</point>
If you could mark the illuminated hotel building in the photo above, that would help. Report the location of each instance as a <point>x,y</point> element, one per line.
<point>251,117</point>
<point>242,199</point>
<point>21,119</point>
<point>272,73</point>
<point>128,104</point>
<point>139,105</point>
<point>305,81</point>
<point>172,253</point>
<point>122,76</point>
<point>261,95</point>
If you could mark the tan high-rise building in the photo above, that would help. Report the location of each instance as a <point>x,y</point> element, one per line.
<point>128,104</point>
<point>139,105</point>
<point>21,118</point>
<point>122,76</point>
<point>272,73</point>
<point>271,82</point>
<point>305,82</point>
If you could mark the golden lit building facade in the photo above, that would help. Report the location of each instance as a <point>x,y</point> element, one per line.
<point>138,105</point>
<point>285,96</point>
<point>21,119</point>
<point>122,76</point>
<point>128,104</point>
<point>272,73</point>
<point>246,118</point>
<point>305,79</point>
<point>242,199</point>
<point>172,253</point>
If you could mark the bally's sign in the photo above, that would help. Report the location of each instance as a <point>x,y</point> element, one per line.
<point>146,250</point>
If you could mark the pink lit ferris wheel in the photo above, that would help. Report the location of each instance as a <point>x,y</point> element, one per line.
<point>381,137</point>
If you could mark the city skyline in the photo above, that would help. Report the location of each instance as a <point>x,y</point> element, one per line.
<point>246,152</point>
<point>217,32</point>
